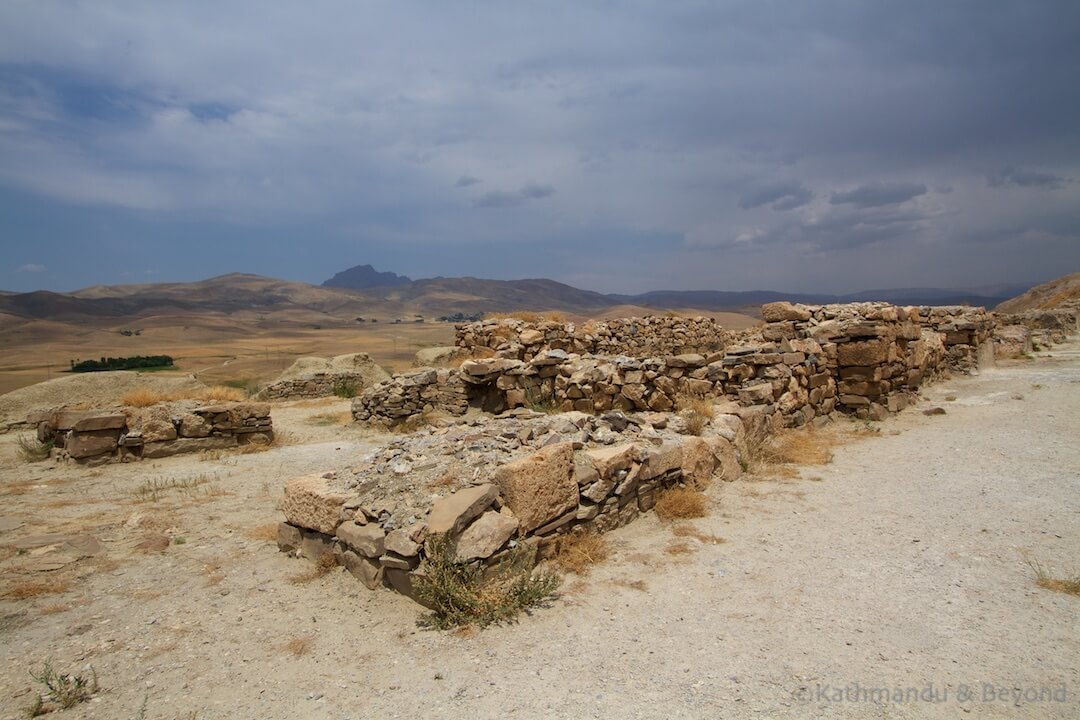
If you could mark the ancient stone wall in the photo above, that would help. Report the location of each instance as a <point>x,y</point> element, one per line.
<point>124,434</point>
<point>636,337</point>
<point>313,386</point>
<point>865,359</point>
<point>1044,329</point>
<point>377,523</point>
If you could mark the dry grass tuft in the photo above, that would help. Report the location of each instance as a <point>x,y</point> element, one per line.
<point>326,562</point>
<point>1043,578</point>
<point>300,645</point>
<point>526,316</point>
<point>54,608</point>
<point>145,397</point>
<point>337,419</point>
<point>29,449</point>
<point>692,532</point>
<point>577,552</point>
<point>267,532</point>
<point>27,589</point>
<point>697,412</point>
<point>639,585</point>
<point>679,548</point>
<point>806,446</point>
<point>680,504</point>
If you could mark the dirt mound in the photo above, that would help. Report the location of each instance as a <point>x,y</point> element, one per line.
<point>354,363</point>
<point>1056,293</point>
<point>93,389</point>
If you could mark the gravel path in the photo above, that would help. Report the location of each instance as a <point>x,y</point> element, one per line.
<point>903,564</point>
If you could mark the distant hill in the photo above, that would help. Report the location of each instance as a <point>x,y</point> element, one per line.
<point>362,277</point>
<point>228,295</point>
<point>1048,295</point>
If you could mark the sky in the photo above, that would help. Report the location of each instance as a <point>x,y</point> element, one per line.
<point>621,146</point>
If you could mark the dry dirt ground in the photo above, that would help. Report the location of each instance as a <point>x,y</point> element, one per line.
<point>903,563</point>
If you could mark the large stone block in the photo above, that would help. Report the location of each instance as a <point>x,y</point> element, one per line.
<point>540,487</point>
<point>780,311</point>
<point>153,423</point>
<point>94,442</point>
<point>489,533</point>
<point>310,502</point>
<point>660,459</point>
<point>366,570</point>
<point>452,513</point>
<point>166,448</point>
<point>863,352</point>
<point>610,460</point>
<point>698,462</point>
<point>366,540</point>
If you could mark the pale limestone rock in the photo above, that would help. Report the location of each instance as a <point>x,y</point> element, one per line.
<point>309,502</point>
<point>367,540</point>
<point>489,533</point>
<point>539,487</point>
<point>452,513</point>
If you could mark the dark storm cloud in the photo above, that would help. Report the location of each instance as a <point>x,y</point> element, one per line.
<point>878,194</point>
<point>783,196</point>
<point>502,199</point>
<point>1025,178</point>
<point>649,118</point>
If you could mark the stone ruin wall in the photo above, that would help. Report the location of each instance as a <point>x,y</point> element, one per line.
<point>865,359</point>
<point>1021,333</point>
<point>121,435</point>
<point>637,337</point>
<point>535,499</point>
<point>318,385</point>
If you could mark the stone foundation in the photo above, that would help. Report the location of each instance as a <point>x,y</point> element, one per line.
<point>100,436</point>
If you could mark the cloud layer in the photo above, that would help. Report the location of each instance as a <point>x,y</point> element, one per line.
<point>820,145</point>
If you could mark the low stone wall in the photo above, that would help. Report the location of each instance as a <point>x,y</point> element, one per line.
<point>317,385</point>
<point>864,359</point>
<point>637,337</point>
<point>412,393</point>
<point>377,523</point>
<point>124,434</point>
<point>1045,328</point>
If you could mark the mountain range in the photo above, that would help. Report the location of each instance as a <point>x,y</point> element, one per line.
<point>390,295</point>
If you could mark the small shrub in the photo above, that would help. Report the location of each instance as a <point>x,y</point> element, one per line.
<point>30,449</point>
<point>345,388</point>
<point>540,401</point>
<point>1043,578</point>
<point>680,504</point>
<point>459,594</point>
<point>576,552</point>
<point>64,689</point>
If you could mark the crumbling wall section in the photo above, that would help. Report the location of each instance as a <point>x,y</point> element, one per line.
<point>636,337</point>
<point>96,437</point>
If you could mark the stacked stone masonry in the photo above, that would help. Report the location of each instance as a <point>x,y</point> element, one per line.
<point>317,385</point>
<point>593,438</point>
<point>579,472</point>
<point>124,434</point>
<point>637,337</point>
<point>864,359</point>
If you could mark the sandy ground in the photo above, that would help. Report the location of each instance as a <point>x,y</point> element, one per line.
<point>902,564</point>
